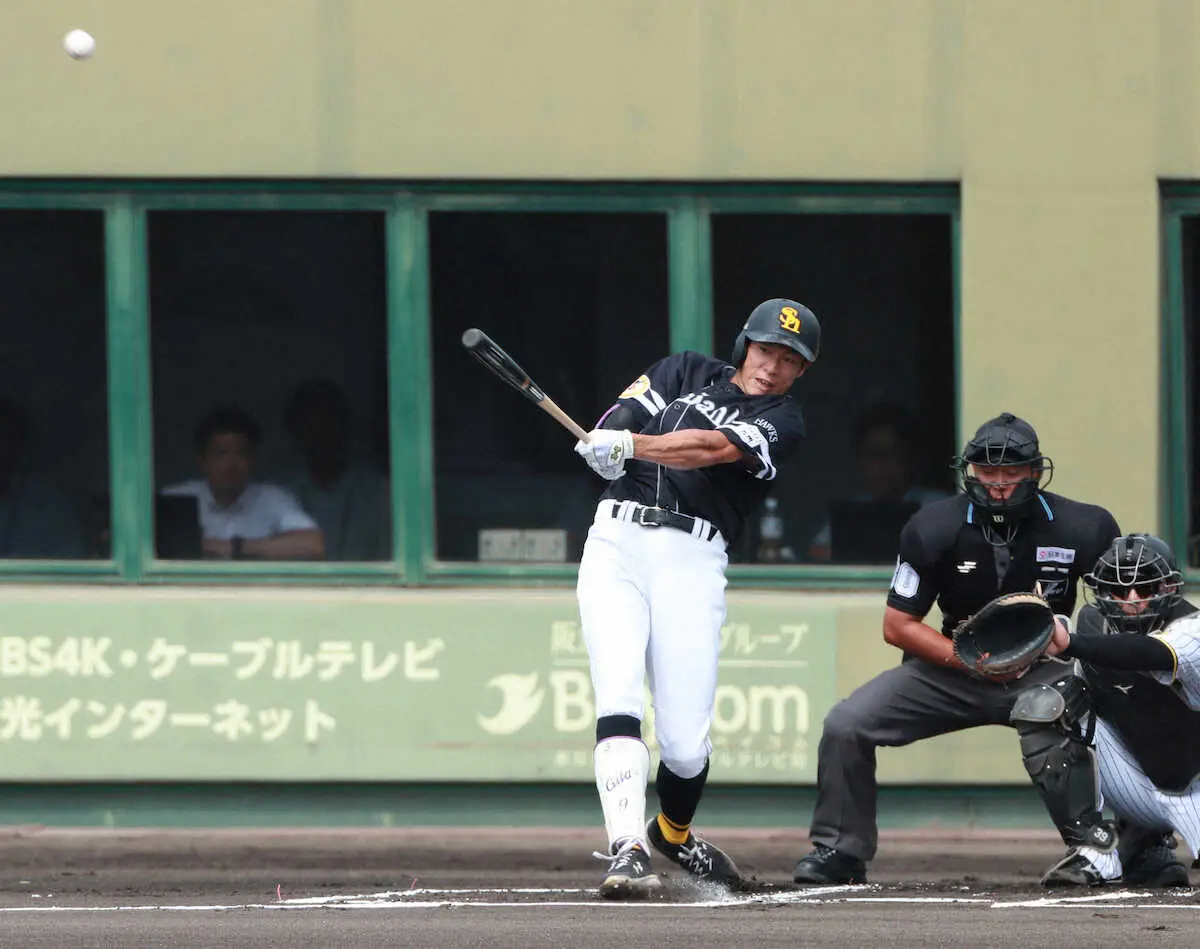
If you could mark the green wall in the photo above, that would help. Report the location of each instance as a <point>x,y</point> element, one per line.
<point>103,684</point>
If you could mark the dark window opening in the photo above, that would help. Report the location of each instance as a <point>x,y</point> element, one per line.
<point>269,341</point>
<point>880,403</point>
<point>580,301</point>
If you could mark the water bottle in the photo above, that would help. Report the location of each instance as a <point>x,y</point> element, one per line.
<point>770,532</point>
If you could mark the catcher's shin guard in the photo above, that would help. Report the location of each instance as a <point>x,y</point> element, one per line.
<point>1064,770</point>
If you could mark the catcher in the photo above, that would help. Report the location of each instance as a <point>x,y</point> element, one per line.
<point>1138,642</point>
<point>1004,533</point>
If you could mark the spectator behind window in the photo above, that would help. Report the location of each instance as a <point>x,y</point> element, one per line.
<point>346,498</point>
<point>886,440</point>
<point>240,518</point>
<point>36,519</point>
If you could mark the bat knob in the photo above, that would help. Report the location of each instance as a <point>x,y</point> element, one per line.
<point>472,338</point>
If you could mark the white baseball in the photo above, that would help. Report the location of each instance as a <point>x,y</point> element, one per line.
<point>79,44</point>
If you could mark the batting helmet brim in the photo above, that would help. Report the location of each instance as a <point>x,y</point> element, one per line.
<point>790,340</point>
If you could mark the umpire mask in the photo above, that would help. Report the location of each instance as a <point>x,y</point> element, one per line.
<point>1004,442</point>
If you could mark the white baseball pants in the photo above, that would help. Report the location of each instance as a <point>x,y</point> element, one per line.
<point>1132,795</point>
<point>652,601</point>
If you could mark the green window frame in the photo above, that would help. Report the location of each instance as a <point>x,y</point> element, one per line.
<point>1179,201</point>
<point>688,210</point>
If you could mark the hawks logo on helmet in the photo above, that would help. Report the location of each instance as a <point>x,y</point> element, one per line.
<point>789,319</point>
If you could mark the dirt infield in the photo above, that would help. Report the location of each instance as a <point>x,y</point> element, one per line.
<point>508,886</point>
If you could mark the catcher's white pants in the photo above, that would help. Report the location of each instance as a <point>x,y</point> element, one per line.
<point>1132,795</point>
<point>652,601</point>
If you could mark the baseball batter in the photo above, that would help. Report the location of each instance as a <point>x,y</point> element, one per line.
<point>691,449</point>
<point>1138,642</point>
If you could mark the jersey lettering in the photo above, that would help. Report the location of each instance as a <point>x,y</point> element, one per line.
<point>772,433</point>
<point>717,414</point>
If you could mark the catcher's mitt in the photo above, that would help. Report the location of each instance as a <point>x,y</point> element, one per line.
<point>1007,635</point>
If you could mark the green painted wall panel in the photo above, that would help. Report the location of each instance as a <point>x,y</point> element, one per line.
<point>303,686</point>
<point>366,685</point>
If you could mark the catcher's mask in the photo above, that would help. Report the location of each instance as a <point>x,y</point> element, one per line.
<point>1003,442</point>
<point>1141,566</point>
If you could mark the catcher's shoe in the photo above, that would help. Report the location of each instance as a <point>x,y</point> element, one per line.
<point>1075,869</point>
<point>825,865</point>
<point>629,876</point>
<point>698,857</point>
<point>1154,867</point>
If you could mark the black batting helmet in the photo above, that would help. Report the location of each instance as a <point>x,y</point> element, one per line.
<point>1001,442</point>
<point>781,321</point>
<point>1141,564</point>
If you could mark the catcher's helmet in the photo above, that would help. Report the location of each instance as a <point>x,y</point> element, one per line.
<point>1002,442</point>
<point>1136,562</point>
<point>781,321</point>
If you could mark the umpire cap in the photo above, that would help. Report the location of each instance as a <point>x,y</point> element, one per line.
<point>780,321</point>
<point>1004,440</point>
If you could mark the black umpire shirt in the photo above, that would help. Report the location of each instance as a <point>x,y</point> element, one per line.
<point>945,558</point>
<point>1156,724</point>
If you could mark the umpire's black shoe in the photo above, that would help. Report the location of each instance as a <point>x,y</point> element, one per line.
<point>698,857</point>
<point>1155,866</point>
<point>825,865</point>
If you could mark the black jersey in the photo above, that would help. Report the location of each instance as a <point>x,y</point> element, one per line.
<point>1153,719</point>
<point>690,390</point>
<point>945,558</point>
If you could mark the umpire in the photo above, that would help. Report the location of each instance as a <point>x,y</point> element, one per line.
<point>1003,533</point>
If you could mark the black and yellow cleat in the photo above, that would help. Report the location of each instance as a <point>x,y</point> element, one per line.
<point>701,859</point>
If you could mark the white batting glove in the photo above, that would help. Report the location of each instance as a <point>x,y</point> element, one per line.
<point>606,451</point>
<point>607,473</point>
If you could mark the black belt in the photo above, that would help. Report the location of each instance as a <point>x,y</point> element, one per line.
<point>661,517</point>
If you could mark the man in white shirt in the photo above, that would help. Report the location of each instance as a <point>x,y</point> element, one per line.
<point>241,519</point>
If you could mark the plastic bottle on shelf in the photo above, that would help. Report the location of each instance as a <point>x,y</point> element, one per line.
<point>770,532</point>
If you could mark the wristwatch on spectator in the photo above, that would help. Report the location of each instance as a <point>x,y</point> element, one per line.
<point>237,549</point>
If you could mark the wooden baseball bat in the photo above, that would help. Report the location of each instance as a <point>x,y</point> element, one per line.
<point>502,365</point>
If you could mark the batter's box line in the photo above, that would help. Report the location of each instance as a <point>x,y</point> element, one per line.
<point>1084,901</point>
<point>427,896</point>
<point>808,898</point>
<point>416,895</point>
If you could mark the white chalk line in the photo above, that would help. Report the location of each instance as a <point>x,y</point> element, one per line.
<point>430,898</point>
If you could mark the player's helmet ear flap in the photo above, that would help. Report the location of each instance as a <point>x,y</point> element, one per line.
<point>1140,566</point>
<point>999,443</point>
<point>780,321</point>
